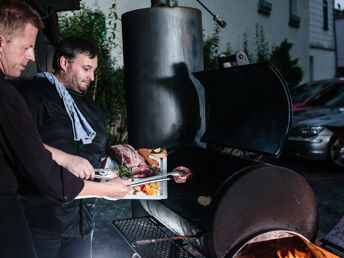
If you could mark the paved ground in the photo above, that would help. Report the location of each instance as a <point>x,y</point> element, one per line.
<point>326,182</point>
<point>328,185</point>
<point>107,243</point>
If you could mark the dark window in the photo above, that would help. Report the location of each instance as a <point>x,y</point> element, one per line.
<point>306,90</point>
<point>264,7</point>
<point>311,68</point>
<point>332,97</point>
<point>294,18</point>
<point>325,14</point>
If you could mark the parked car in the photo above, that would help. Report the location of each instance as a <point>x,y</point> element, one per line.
<point>310,139</point>
<point>307,95</point>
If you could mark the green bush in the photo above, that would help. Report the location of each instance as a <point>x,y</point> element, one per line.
<point>279,57</point>
<point>262,46</point>
<point>211,50</point>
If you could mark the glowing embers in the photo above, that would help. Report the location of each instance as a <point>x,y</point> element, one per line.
<point>282,244</point>
<point>294,254</point>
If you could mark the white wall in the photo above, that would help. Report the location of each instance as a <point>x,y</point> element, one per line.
<point>340,41</point>
<point>242,16</point>
<point>322,44</point>
<point>318,36</point>
<point>123,6</point>
<point>324,63</point>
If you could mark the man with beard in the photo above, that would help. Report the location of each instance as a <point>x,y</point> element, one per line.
<point>70,121</point>
<point>25,165</point>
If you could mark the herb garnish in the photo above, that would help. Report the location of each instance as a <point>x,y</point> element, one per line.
<point>124,171</point>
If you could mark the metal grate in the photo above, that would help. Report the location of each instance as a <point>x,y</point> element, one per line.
<point>147,228</point>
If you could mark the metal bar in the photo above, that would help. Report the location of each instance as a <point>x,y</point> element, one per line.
<point>206,8</point>
<point>158,177</point>
<point>135,229</point>
<point>149,181</point>
<point>105,170</point>
<point>216,18</point>
<point>154,240</point>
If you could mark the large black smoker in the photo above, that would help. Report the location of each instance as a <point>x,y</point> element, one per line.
<point>172,102</point>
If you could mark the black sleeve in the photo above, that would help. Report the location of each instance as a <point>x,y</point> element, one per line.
<point>34,103</point>
<point>33,163</point>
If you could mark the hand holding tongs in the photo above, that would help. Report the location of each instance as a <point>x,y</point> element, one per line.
<point>158,178</point>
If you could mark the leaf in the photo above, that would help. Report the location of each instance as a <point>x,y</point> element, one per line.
<point>125,171</point>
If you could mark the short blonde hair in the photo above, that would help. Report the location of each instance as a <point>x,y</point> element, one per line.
<point>14,15</point>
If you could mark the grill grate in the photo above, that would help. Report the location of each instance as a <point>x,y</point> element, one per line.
<point>147,228</point>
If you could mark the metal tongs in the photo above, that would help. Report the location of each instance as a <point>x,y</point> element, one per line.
<point>105,173</point>
<point>159,178</point>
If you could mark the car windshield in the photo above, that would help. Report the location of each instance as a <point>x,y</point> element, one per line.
<point>331,97</point>
<point>302,92</point>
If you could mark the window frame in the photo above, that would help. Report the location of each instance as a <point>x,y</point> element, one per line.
<point>325,14</point>
<point>264,7</point>
<point>294,18</point>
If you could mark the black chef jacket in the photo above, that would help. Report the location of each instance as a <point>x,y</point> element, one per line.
<point>25,165</point>
<point>54,125</point>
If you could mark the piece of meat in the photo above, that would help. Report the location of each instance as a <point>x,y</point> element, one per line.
<point>126,154</point>
<point>145,154</point>
<point>182,178</point>
<point>143,171</point>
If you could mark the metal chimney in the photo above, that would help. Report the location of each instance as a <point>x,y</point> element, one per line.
<point>162,47</point>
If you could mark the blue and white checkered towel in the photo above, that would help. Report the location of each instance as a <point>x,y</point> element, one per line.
<point>81,128</point>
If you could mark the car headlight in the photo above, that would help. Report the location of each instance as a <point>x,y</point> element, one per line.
<point>306,131</point>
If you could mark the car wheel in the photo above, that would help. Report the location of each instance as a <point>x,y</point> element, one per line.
<point>336,153</point>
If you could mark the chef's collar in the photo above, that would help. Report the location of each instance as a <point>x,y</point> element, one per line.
<point>76,93</point>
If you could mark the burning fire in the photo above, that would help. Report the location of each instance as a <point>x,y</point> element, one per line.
<point>311,250</point>
<point>295,254</point>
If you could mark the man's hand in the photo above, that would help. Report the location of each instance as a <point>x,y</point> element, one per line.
<point>115,189</point>
<point>80,167</point>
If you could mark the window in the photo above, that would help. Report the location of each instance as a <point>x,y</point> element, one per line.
<point>294,18</point>
<point>264,7</point>
<point>331,97</point>
<point>311,68</point>
<point>325,14</point>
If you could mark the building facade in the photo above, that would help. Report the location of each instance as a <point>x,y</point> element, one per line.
<point>339,26</point>
<point>322,54</point>
<point>307,24</point>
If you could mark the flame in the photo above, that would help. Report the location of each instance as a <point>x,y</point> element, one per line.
<point>295,254</point>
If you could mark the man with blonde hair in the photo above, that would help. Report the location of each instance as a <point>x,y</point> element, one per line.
<point>25,165</point>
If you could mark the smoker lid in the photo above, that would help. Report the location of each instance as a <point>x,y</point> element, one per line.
<point>248,107</point>
<point>259,199</point>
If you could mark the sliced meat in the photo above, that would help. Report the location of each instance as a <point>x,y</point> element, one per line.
<point>126,154</point>
<point>143,171</point>
<point>182,178</point>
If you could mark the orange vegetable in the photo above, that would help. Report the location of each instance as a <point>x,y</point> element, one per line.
<point>150,191</point>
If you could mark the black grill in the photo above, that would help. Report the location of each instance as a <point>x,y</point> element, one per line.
<point>147,228</point>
